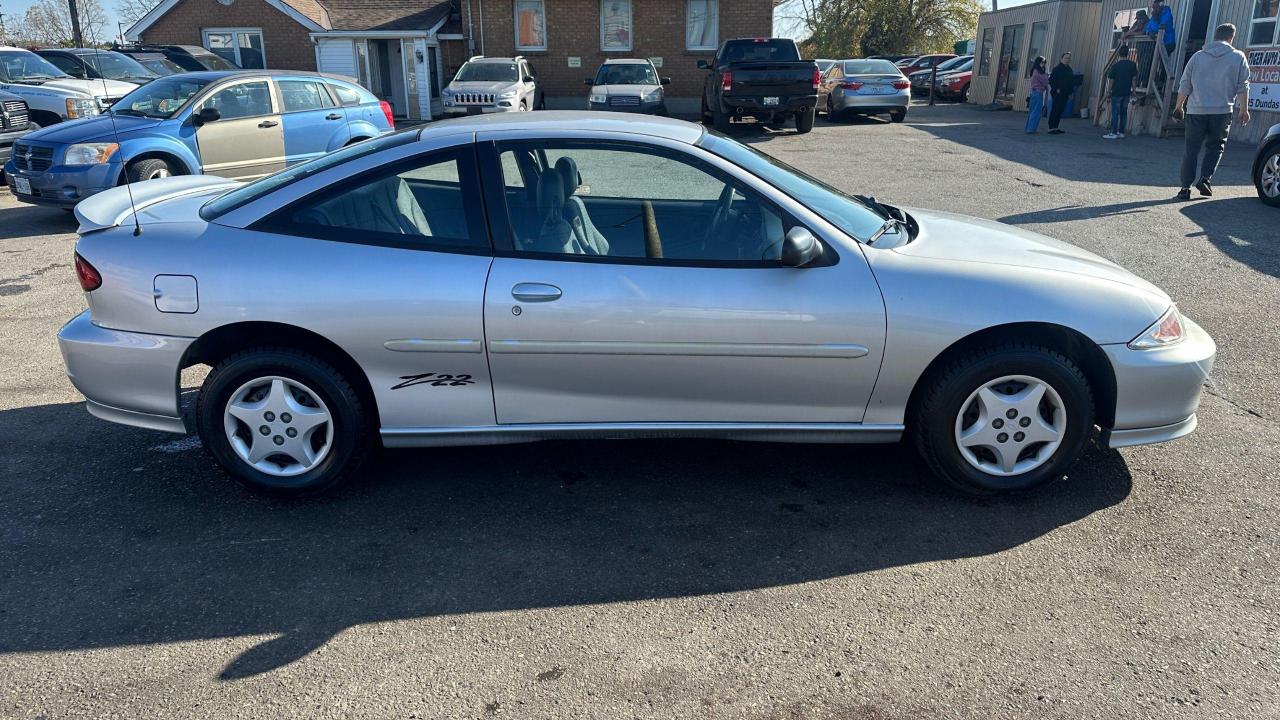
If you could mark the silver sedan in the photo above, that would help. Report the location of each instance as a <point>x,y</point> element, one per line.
<point>576,275</point>
<point>865,87</point>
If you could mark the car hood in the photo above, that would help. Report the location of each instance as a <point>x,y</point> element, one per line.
<point>481,87</point>
<point>946,236</point>
<point>92,88</point>
<point>98,127</point>
<point>640,89</point>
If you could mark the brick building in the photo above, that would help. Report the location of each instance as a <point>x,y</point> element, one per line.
<point>405,51</point>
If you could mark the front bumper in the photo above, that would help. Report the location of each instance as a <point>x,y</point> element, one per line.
<point>127,378</point>
<point>63,185</point>
<point>453,111</point>
<point>1158,391</point>
<point>644,108</point>
<point>852,100</point>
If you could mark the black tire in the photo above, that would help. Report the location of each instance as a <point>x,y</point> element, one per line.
<point>720,120</point>
<point>964,94</point>
<point>938,405</point>
<point>352,430</point>
<point>898,115</point>
<point>1266,156</point>
<point>706,113</point>
<point>149,169</point>
<point>804,121</point>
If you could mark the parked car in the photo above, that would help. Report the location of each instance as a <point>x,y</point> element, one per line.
<point>242,124</point>
<point>51,95</point>
<point>14,123</point>
<point>1266,167</point>
<point>158,63</point>
<point>493,84</point>
<point>628,85</point>
<point>92,64</point>
<point>191,58</point>
<point>865,87</point>
<point>640,279</point>
<point>924,62</point>
<point>762,78</point>
<point>920,78</point>
<point>955,86</point>
<point>895,59</point>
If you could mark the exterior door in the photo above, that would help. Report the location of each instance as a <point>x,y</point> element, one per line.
<point>1008,69</point>
<point>645,287</point>
<point>247,140</point>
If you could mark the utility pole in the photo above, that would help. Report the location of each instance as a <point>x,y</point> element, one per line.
<point>76,38</point>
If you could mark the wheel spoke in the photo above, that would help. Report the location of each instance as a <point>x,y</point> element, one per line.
<point>1006,455</point>
<point>261,449</point>
<point>1041,431</point>
<point>248,413</point>
<point>280,425</point>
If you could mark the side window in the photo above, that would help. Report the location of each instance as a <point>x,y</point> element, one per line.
<point>626,201</point>
<point>244,100</point>
<point>296,95</point>
<point>347,96</point>
<point>428,202</point>
<point>66,65</point>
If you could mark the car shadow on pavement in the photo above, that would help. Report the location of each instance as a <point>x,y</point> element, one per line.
<point>1068,213</point>
<point>114,536</point>
<point>28,220</point>
<point>1254,244</point>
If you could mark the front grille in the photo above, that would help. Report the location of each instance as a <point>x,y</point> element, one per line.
<point>624,100</point>
<point>473,98</point>
<point>14,115</point>
<point>32,158</point>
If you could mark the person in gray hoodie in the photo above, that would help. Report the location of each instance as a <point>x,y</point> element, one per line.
<point>1215,81</point>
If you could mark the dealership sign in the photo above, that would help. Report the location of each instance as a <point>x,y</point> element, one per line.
<point>1264,80</point>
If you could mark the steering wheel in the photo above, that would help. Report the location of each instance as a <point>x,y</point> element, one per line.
<point>723,205</point>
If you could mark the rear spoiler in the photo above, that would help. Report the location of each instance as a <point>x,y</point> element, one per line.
<point>113,207</point>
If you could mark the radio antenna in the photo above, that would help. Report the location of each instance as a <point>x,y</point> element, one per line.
<point>115,132</point>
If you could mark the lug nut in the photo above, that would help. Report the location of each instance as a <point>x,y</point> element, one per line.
<point>997,423</point>
<point>1018,437</point>
<point>1011,414</point>
<point>286,417</point>
<point>269,416</point>
<point>277,440</point>
<point>264,430</point>
<point>1002,437</point>
<point>1025,421</point>
<point>293,432</point>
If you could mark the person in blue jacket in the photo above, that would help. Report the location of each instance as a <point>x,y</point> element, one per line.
<point>1161,18</point>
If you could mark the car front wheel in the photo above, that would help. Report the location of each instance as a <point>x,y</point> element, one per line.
<point>1267,176</point>
<point>282,421</point>
<point>1009,418</point>
<point>150,169</point>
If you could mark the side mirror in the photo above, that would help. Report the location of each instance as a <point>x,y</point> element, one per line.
<point>800,248</point>
<point>206,115</point>
<point>589,82</point>
<point>666,81</point>
<point>704,65</point>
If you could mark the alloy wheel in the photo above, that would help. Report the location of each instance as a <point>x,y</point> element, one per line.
<point>158,173</point>
<point>1010,425</point>
<point>1269,176</point>
<point>278,426</point>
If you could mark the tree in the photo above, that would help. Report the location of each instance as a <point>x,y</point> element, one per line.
<point>856,28</point>
<point>131,11</point>
<point>48,22</point>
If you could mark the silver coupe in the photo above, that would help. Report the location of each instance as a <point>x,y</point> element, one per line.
<point>586,275</point>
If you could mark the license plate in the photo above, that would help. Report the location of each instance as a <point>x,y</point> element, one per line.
<point>771,101</point>
<point>872,90</point>
<point>21,185</point>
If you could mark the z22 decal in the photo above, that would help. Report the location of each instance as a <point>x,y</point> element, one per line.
<point>434,380</point>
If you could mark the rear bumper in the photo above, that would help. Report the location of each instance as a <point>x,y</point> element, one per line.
<point>755,104</point>
<point>849,100</point>
<point>64,185</point>
<point>128,378</point>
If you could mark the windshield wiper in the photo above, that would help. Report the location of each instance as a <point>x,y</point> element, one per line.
<point>129,111</point>
<point>890,224</point>
<point>887,211</point>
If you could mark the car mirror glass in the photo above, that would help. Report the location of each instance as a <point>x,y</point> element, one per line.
<point>704,65</point>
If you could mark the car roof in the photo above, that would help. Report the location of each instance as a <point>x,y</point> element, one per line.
<point>74,51</point>
<point>559,120</point>
<point>492,60</point>
<point>213,75</point>
<point>626,61</point>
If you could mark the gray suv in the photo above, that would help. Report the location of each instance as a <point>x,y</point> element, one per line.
<point>628,85</point>
<point>488,85</point>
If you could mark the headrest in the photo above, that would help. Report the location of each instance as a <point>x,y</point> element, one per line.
<point>568,169</point>
<point>551,192</point>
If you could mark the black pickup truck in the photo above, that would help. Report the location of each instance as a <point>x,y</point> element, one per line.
<point>763,78</point>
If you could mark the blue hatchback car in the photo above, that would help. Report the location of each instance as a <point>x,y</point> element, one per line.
<point>242,124</point>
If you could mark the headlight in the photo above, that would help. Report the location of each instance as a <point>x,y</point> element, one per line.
<point>90,153</point>
<point>509,93</point>
<point>1162,333</point>
<point>81,108</point>
<point>600,98</point>
<point>654,96</point>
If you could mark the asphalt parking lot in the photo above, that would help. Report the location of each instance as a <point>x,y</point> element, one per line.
<point>679,579</point>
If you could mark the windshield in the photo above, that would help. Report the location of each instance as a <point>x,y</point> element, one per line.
<point>115,66</point>
<point>628,74</point>
<point>487,72</point>
<point>853,217</point>
<point>954,63</point>
<point>213,61</point>
<point>20,65</point>
<point>246,194</point>
<point>161,66</point>
<point>161,98</point>
<point>870,67</point>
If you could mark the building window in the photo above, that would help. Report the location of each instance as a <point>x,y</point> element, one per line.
<point>242,46</point>
<point>984,53</point>
<point>1262,29</point>
<point>702,25</point>
<point>1039,31</point>
<point>615,25</point>
<point>531,25</point>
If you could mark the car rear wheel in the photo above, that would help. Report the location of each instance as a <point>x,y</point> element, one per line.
<point>804,121</point>
<point>898,115</point>
<point>720,119</point>
<point>1005,419</point>
<point>1267,176</point>
<point>282,422</point>
<point>151,169</point>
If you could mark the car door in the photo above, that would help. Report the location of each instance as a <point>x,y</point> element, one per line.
<point>648,288</point>
<point>247,139</point>
<point>310,117</point>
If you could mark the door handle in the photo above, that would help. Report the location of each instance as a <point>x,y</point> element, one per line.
<point>333,116</point>
<point>268,124</point>
<point>535,292</point>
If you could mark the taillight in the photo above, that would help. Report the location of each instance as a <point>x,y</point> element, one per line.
<point>850,85</point>
<point>88,276</point>
<point>726,81</point>
<point>386,110</point>
<point>817,78</point>
<point>901,84</point>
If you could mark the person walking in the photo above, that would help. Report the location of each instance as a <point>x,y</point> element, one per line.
<point>1035,103</point>
<point>1061,82</point>
<point>1214,83</point>
<point>1122,74</point>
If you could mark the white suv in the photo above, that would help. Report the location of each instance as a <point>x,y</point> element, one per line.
<point>487,85</point>
<point>52,95</point>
